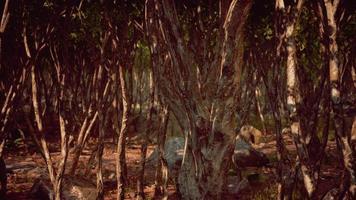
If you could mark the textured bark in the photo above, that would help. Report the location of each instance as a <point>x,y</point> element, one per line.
<point>63,161</point>
<point>140,180</point>
<point>259,109</point>
<point>99,152</point>
<point>284,169</point>
<point>4,20</point>
<point>7,106</point>
<point>83,135</point>
<point>91,118</point>
<point>293,96</point>
<point>61,78</point>
<point>302,124</point>
<point>207,135</point>
<point>39,123</point>
<point>120,160</point>
<point>340,118</point>
<point>161,178</point>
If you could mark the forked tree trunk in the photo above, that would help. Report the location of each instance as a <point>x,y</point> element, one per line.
<point>83,135</point>
<point>64,137</point>
<point>209,135</point>
<point>86,128</point>
<point>204,179</point>
<point>40,130</point>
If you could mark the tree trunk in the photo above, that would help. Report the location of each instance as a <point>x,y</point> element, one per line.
<point>7,107</point>
<point>63,161</point>
<point>161,178</point>
<point>148,131</point>
<point>39,123</point>
<point>83,135</point>
<point>4,20</point>
<point>210,130</point>
<point>64,137</point>
<point>120,160</point>
<point>341,124</point>
<point>204,178</point>
<point>101,118</point>
<point>259,109</point>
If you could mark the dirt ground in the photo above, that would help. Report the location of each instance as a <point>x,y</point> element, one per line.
<point>263,185</point>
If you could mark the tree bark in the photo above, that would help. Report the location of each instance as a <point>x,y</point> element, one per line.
<point>259,109</point>
<point>101,118</point>
<point>340,118</point>
<point>7,107</point>
<point>285,23</point>
<point>40,130</point>
<point>207,135</point>
<point>161,178</point>
<point>140,181</point>
<point>4,20</point>
<point>83,135</point>
<point>120,160</point>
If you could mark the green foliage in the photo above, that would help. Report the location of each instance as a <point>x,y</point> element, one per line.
<point>260,23</point>
<point>142,60</point>
<point>310,56</point>
<point>87,24</point>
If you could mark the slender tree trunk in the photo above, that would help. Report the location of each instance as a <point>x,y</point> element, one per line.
<point>99,159</point>
<point>140,180</point>
<point>259,109</point>
<point>64,136</point>
<point>4,20</point>
<point>39,124</point>
<point>348,153</point>
<point>293,101</point>
<point>284,172</point>
<point>7,107</point>
<point>101,137</point>
<point>120,160</point>
<point>63,161</point>
<point>83,135</point>
<point>32,132</point>
<point>161,179</point>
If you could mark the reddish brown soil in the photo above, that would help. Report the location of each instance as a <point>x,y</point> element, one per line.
<point>19,185</point>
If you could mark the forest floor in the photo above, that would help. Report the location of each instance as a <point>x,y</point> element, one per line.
<point>262,183</point>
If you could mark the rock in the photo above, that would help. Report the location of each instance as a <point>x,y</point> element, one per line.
<point>37,172</point>
<point>74,188</point>
<point>331,195</point>
<point>235,186</point>
<point>21,166</point>
<point>244,155</point>
<point>42,190</point>
<point>251,134</point>
<point>173,153</point>
<point>247,156</point>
